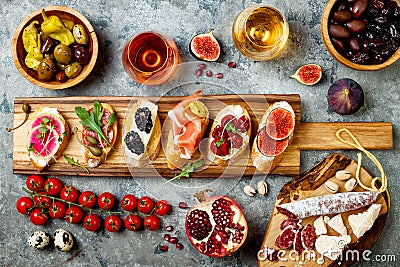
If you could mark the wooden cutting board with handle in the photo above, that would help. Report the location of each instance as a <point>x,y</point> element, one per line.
<point>307,136</point>
<point>311,184</point>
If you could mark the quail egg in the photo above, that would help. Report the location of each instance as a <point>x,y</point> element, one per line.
<point>63,240</point>
<point>39,240</point>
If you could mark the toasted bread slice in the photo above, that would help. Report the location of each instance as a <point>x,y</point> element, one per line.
<point>236,111</point>
<point>149,137</point>
<point>265,163</point>
<point>93,161</point>
<point>48,137</point>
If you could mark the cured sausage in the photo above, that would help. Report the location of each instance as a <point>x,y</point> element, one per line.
<point>290,222</point>
<point>297,244</point>
<point>308,237</point>
<point>286,238</point>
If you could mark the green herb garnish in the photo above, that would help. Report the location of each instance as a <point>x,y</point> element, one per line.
<point>75,163</point>
<point>111,120</point>
<point>231,128</point>
<point>30,148</point>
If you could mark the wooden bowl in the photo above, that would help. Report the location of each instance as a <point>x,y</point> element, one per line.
<point>19,53</point>
<point>336,55</point>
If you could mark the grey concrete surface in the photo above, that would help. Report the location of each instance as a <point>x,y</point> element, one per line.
<point>115,22</point>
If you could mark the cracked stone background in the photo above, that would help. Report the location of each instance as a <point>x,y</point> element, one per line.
<point>114,23</point>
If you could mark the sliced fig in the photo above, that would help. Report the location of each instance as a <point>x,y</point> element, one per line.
<point>280,124</point>
<point>308,74</point>
<point>205,46</point>
<point>43,145</point>
<point>268,146</point>
<point>345,96</point>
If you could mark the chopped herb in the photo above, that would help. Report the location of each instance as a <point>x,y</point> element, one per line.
<point>38,136</point>
<point>43,130</point>
<point>64,134</point>
<point>45,120</point>
<point>231,128</point>
<point>75,163</point>
<point>60,139</point>
<point>30,148</point>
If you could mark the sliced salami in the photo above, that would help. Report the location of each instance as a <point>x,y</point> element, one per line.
<point>290,222</point>
<point>298,245</point>
<point>308,237</point>
<point>286,238</point>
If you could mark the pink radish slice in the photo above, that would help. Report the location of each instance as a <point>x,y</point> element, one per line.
<point>55,122</point>
<point>45,147</point>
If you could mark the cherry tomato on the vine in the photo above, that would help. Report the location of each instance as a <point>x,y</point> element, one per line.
<point>35,182</point>
<point>91,222</point>
<point>151,222</point>
<point>129,202</point>
<point>38,217</point>
<point>74,214</point>
<point>24,205</point>
<point>112,223</point>
<point>69,193</point>
<point>162,207</point>
<point>57,210</point>
<point>87,199</point>
<point>133,222</point>
<point>53,186</point>
<point>145,204</point>
<point>42,201</point>
<point>106,201</point>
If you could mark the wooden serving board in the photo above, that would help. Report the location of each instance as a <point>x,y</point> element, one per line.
<point>311,184</point>
<point>307,136</point>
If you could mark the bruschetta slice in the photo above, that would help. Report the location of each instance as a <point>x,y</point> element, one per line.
<point>48,137</point>
<point>142,134</point>
<point>229,135</point>
<point>274,135</point>
<point>189,120</point>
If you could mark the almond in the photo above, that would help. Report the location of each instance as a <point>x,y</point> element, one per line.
<point>262,187</point>
<point>331,187</point>
<point>249,190</point>
<point>350,184</point>
<point>343,175</point>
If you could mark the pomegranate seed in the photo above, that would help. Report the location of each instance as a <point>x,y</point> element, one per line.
<point>202,66</point>
<point>169,228</point>
<point>167,237</point>
<point>219,75</point>
<point>179,246</point>
<point>209,73</point>
<point>164,248</point>
<point>173,240</point>
<point>199,72</point>
<point>183,205</point>
<point>232,64</point>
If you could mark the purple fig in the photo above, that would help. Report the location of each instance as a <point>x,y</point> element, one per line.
<point>345,96</point>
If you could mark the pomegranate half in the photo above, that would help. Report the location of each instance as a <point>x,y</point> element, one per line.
<point>216,226</point>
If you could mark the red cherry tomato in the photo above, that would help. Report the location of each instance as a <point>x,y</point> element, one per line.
<point>24,205</point>
<point>162,207</point>
<point>74,214</point>
<point>145,204</point>
<point>57,210</point>
<point>92,222</point>
<point>37,217</point>
<point>133,222</point>
<point>35,182</point>
<point>112,223</point>
<point>42,201</point>
<point>69,193</point>
<point>129,202</point>
<point>87,199</point>
<point>106,201</point>
<point>151,222</point>
<point>53,186</point>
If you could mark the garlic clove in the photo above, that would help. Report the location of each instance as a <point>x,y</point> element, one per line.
<point>331,186</point>
<point>350,184</point>
<point>249,190</point>
<point>262,187</point>
<point>343,175</point>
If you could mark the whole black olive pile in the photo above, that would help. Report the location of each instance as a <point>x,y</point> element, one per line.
<point>365,31</point>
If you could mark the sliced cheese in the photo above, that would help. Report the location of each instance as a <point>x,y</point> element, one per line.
<point>362,222</point>
<point>331,246</point>
<point>320,227</point>
<point>336,223</point>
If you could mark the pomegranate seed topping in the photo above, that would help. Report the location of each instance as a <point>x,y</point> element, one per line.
<point>174,240</point>
<point>169,228</point>
<point>183,205</point>
<point>209,73</point>
<point>219,76</point>
<point>202,66</point>
<point>232,64</point>
<point>199,72</point>
<point>164,248</point>
<point>167,237</point>
<point>179,246</point>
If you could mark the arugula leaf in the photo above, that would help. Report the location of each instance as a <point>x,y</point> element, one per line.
<point>75,163</point>
<point>97,112</point>
<point>111,120</point>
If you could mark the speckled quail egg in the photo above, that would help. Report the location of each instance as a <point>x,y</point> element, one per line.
<point>39,240</point>
<point>63,240</point>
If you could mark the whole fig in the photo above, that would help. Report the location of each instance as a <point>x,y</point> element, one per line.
<point>345,96</point>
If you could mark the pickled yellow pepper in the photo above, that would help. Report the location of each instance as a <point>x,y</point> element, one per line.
<point>54,28</point>
<point>31,41</point>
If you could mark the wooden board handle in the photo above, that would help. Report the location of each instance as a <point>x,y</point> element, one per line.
<point>321,135</point>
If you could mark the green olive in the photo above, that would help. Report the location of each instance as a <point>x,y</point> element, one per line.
<point>62,54</point>
<point>80,35</point>
<point>61,66</point>
<point>91,140</point>
<point>198,108</point>
<point>46,69</point>
<point>96,151</point>
<point>73,70</point>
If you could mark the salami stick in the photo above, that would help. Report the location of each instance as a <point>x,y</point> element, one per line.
<point>329,204</point>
